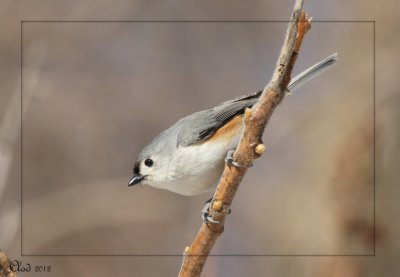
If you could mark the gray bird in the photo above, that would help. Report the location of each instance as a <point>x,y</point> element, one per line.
<point>188,158</point>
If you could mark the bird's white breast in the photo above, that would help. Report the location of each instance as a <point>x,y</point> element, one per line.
<point>197,168</point>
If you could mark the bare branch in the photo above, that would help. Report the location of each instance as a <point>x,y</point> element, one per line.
<point>250,146</point>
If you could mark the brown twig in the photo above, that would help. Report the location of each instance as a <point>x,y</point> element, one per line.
<point>5,270</point>
<point>250,146</point>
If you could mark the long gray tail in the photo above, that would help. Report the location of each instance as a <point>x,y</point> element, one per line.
<point>312,72</point>
<point>228,109</point>
<point>224,112</point>
<point>249,100</point>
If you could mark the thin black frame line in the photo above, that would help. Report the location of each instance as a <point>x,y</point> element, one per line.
<point>216,255</point>
<point>21,126</point>
<point>211,255</point>
<point>190,21</point>
<point>374,135</point>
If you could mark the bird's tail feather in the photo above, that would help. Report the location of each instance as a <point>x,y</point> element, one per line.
<point>312,72</point>
<point>305,76</point>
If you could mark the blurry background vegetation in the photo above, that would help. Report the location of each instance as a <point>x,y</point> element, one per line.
<point>95,93</point>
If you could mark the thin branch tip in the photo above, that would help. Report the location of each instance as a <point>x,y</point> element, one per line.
<point>298,5</point>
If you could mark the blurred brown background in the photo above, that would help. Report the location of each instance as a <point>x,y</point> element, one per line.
<point>95,93</point>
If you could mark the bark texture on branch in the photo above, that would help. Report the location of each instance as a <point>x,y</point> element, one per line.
<point>250,146</point>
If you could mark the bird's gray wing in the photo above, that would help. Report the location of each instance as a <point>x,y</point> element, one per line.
<point>202,125</point>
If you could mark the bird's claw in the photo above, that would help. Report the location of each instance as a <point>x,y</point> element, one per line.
<point>231,162</point>
<point>206,215</point>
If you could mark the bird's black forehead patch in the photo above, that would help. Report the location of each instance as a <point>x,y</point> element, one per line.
<point>136,168</point>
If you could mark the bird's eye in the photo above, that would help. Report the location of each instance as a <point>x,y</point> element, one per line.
<point>149,162</point>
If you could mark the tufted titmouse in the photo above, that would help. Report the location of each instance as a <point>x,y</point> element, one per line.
<point>188,157</point>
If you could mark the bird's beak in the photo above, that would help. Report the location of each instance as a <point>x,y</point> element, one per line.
<point>136,179</point>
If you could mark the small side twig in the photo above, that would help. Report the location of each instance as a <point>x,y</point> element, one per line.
<point>250,146</point>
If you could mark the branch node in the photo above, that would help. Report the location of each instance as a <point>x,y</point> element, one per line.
<point>259,150</point>
<point>187,248</point>
<point>217,205</point>
<point>248,114</point>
